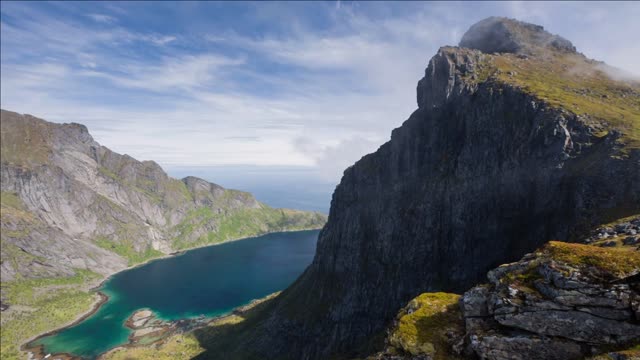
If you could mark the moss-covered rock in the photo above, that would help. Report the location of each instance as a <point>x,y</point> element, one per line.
<point>426,326</point>
<point>564,301</point>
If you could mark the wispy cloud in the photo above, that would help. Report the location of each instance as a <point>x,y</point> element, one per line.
<point>182,73</point>
<point>305,84</point>
<point>102,18</point>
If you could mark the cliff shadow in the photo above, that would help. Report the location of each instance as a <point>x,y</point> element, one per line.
<point>229,336</point>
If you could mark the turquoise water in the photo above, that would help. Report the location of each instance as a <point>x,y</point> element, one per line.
<point>210,281</point>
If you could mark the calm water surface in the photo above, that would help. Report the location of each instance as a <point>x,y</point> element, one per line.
<point>208,281</point>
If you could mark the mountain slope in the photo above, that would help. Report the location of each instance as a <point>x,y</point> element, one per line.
<point>517,140</point>
<point>69,203</point>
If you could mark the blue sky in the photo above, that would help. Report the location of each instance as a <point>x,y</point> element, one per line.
<point>302,85</point>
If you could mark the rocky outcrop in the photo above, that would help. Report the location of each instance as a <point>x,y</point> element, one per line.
<point>497,160</point>
<point>430,327</point>
<point>565,301</point>
<point>503,35</point>
<point>69,203</point>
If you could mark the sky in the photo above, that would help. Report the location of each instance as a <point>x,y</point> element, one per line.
<point>227,87</point>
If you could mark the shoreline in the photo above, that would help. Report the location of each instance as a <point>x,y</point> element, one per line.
<point>103,298</point>
<point>182,251</point>
<point>237,311</point>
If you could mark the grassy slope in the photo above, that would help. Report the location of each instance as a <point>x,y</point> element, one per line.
<point>24,143</point>
<point>185,346</point>
<point>36,305</point>
<point>240,223</point>
<point>579,85</point>
<point>12,211</point>
<point>42,305</point>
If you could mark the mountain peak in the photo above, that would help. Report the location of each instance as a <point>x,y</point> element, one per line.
<point>505,35</point>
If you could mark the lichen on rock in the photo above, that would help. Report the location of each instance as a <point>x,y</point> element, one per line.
<point>564,301</point>
<point>426,325</point>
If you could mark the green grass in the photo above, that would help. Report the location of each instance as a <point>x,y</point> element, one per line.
<point>40,305</point>
<point>12,210</point>
<point>108,173</point>
<point>9,199</point>
<point>240,223</point>
<point>222,333</point>
<point>126,249</point>
<point>16,256</point>
<point>24,141</point>
<point>422,326</point>
<point>616,262</point>
<point>579,85</point>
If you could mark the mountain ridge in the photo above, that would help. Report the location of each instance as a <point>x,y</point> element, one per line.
<point>67,183</point>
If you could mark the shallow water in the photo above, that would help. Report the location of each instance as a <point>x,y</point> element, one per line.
<point>208,281</point>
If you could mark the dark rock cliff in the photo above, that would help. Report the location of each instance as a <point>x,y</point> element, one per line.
<point>484,171</point>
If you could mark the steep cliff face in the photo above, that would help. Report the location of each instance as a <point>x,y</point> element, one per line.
<point>509,148</point>
<point>69,203</point>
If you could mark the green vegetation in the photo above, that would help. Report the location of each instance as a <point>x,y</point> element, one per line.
<point>39,305</point>
<point>617,262</point>
<point>126,249</point>
<point>579,85</point>
<point>422,326</point>
<point>524,279</point>
<point>108,173</point>
<point>24,140</point>
<point>174,186</point>
<point>629,353</point>
<point>11,200</point>
<point>15,256</point>
<point>221,334</point>
<point>182,346</point>
<point>632,352</point>
<point>240,223</point>
<point>12,209</point>
<point>153,183</point>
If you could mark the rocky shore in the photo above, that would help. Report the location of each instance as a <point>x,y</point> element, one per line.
<point>38,352</point>
<point>148,329</point>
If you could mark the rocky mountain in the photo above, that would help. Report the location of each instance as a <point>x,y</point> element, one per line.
<point>69,203</point>
<point>518,139</point>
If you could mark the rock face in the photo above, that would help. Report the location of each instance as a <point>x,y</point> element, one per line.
<point>495,161</point>
<point>69,203</point>
<point>566,301</point>
<point>502,35</point>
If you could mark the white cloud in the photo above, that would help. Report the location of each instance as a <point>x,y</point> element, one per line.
<point>332,160</point>
<point>102,18</point>
<point>184,72</point>
<point>163,40</point>
<point>345,88</point>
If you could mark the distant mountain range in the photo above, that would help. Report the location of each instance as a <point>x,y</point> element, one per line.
<point>69,203</point>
